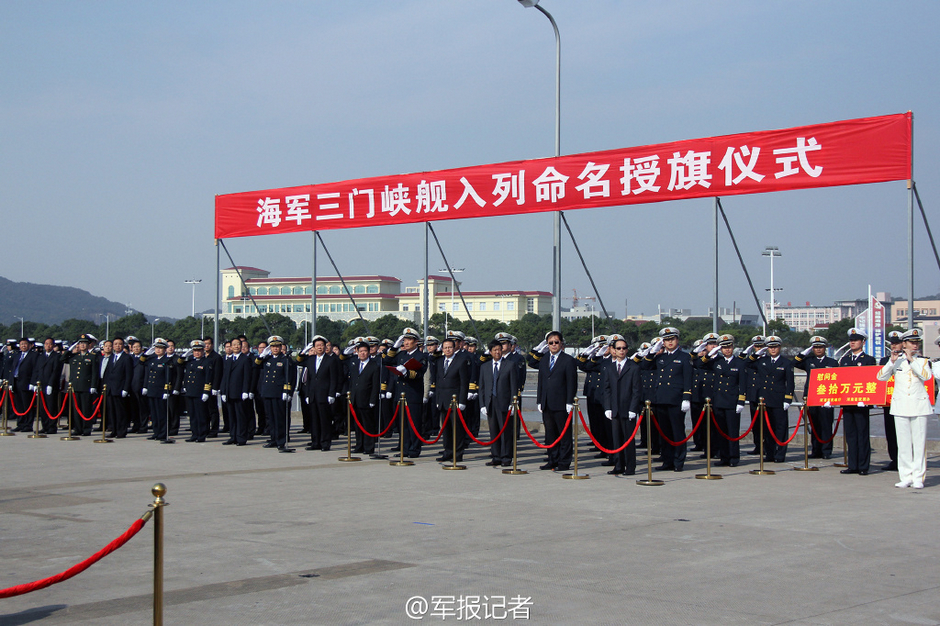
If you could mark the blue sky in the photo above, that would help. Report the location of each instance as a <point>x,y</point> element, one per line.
<point>120,122</point>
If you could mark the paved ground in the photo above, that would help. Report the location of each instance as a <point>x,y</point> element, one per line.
<point>256,537</point>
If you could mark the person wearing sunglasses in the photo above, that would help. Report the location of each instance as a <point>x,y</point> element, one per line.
<point>557,388</point>
<point>622,390</point>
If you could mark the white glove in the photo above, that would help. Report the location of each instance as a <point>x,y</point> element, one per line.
<point>544,349</point>
<point>401,369</point>
<point>828,405</point>
<point>251,396</point>
<point>48,390</point>
<point>634,356</point>
<point>337,394</point>
<point>748,350</point>
<point>388,395</point>
<point>143,391</point>
<point>93,390</point>
<point>349,350</point>
<point>424,400</point>
<point>176,392</point>
<point>591,350</point>
<point>609,414</point>
<point>631,415</point>
<point>307,399</point>
<point>72,347</point>
<point>807,351</point>
<point>714,351</point>
<point>431,394</point>
<point>462,406</point>
<point>539,407</point>
<point>701,347</point>
<point>656,345</point>
<point>861,405</point>
<point>164,396</point>
<point>244,396</point>
<point>483,411</point>
<point>123,394</point>
<point>568,407</point>
<point>224,398</point>
<point>739,408</point>
<point>265,352</point>
<point>33,388</point>
<point>398,342</point>
<point>187,354</point>
<point>149,351</point>
<point>761,352</point>
<point>215,392</point>
<point>371,404</point>
<point>540,347</point>
<point>205,397</point>
<point>604,350</point>
<point>285,396</point>
<point>786,406</point>
<point>330,399</point>
<point>307,347</point>
<point>643,353</point>
<point>685,406</point>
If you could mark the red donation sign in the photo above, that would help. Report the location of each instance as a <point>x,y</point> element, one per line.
<point>846,385</point>
<point>929,385</point>
<point>849,152</point>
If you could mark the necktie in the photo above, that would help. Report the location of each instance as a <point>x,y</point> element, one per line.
<point>362,365</point>
<point>16,370</point>
<point>495,375</point>
<point>619,367</point>
<point>551,363</point>
<point>446,365</point>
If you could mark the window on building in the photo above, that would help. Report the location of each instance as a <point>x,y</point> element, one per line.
<point>306,291</point>
<point>321,289</point>
<point>483,306</point>
<point>455,307</point>
<point>320,308</point>
<point>307,308</point>
<point>530,305</point>
<point>285,291</point>
<point>510,306</point>
<point>238,309</point>
<point>372,289</point>
<point>469,306</point>
<point>297,291</point>
<point>231,291</point>
<point>496,306</point>
<point>262,291</point>
<point>252,290</point>
<point>441,306</point>
<point>359,289</point>
<point>404,307</point>
<point>334,289</point>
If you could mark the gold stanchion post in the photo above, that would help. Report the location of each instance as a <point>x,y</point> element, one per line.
<point>649,482</point>
<point>401,462</point>
<point>708,444</point>
<point>104,410</point>
<point>4,430</point>
<point>349,458</point>
<point>68,434</point>
<point>762,416</point>
<point>515,441</point>
<point>158,490</point>
<point>574,425</point>
<point>36,434</point>
<point>453,430</point>
<point>806,467</point>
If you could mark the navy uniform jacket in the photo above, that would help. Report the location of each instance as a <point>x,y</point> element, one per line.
<point>83,370</point>
<point>621,393</point>
<point>118,376</point>
<point>159,375</point>
<point>48,370</point>
<point>774,379</point>
<point>672,383</point>
<point>592,379</point>
<point>456,382</point>
<point>520,362</point>
<point>703,381</point>
<point>862,359</point>
<point>474,362</point>
<point>216,361</point>
<point>557,387</point>
<point>730,380</point>
<point>810,363</point>
<point>364,387</point>
<point>197,377</point>
<point>412,382</point>
<point>137,376</point>
<point>276,375</point>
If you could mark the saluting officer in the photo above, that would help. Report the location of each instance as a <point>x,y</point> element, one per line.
<point>159,378</point>
<point>703,387</point>
<point>276,384</point>
<point>753,391</point>
<point>590,361</point>
<point>891,433</point>
<point>775,385</point>
<point>197,381</point>
<point>409,382</point>
<point>730,384</point>
<point>83,376</point>
<point>673,394</point>
<point>814,357</point>
<point>855,418</point>
<point>319,392</point>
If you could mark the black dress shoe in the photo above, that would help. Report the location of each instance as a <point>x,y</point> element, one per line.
<point>285,449</point>
<point>664,467</point>
<point>269,444</point>
<point>723,463</point>
<point>615,472</point>
<point>547,466</point>
<point>444,458</point>
<point>697,449</point>
<point>311,447</point>
<point>863,472</point>
<point>754,452</point>
<point>241,444</point>
<point>561,468</point>
<point>600,455</point>
<point>890,467</point>
<point>230,442</point>
<point>152,438</point>
<point>626,473</point>
<point>191,439</point>
<point>678,469</point>
<point>494,463</point>
<point>413,455</point>
<point>848,471</point>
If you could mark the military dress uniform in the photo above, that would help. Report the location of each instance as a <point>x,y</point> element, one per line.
<point>855,419</point>
<point>277,374</point>
<point>411,384</point>
<point>703,387</point>
<point>820,417</point>
<point>775,386</point>
<point>730,384</point>
<point>159,378</point>
<point>591,365</point>
<point>672,398</point>
<point>891,433</point>
<point>83,377</point>
<point>196,387</point>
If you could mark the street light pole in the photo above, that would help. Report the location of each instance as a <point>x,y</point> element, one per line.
<point>193,282</point>
<point>556,251</point>
<point>152,325</point>
<point>22,333</point>
<point>771,251</point>
<point>453,288</point>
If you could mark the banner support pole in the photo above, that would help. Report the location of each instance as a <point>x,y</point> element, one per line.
<point>313,288</point>
<point>910,234</point>
<point>427,280</point>
<point>218,292</point>
<point>715,229</point>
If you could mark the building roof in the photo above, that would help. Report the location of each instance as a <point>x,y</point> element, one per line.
<point>246,267</point>
<point>488,294</point>
<point>320,296</point>
<point>323,279</point>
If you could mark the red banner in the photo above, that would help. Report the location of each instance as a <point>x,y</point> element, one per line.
<point>846,385</point>
<point>850,152</point>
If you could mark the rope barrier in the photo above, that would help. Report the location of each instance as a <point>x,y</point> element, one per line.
<point>746,432</point>
<point>415,430</point>
<point>42,398</point>
<point>483,443</point>
<point>554,443</point>
<point>78,568</point>
<point>13,405</point>
<point>93,413</point>
<point>669,441</point>
<point>366,432</point>
<point>835,430</point>
<point>795,430</point>
<point>636,429</point>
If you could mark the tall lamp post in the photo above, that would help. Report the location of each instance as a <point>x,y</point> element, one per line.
<point>193,282</point>
<point>772,251</point>
<point>556,251</point>
<point>22,333</point>
<point>453,288</point>
<point>152,325</point>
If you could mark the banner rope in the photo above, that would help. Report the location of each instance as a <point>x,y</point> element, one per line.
<point>78,568</point>
<point>483,443</point>
<point>746,432</point>
<point>673,443</point>
<point>13,405</point>
<point>93,413</point>
<point>835,431</point>
<point>554,443</point>
<point>366,432</point>
<point>42,398</point>
<point>795,430</point>
<point>415,430</point>
<point>636,429</point>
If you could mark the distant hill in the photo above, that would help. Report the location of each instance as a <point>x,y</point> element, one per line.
<point>50,304</point>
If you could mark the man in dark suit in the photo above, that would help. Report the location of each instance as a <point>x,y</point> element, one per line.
<point>363,373</point>
<point>672,394</point>
<point>320,392</point>
<point>498,387</point>
<point>118,377</point>
<point>19,376</point>
<point>47,373</point>
<point>557,388</point>
<point>236,385</point>
<point>452,379</point>
<point>855,418</point>
<point>621,389</point>
<point>409,382</point>
<point>820,417</point>
<point>775,384</point>
<point>139,406</point>
<point>212,404</point>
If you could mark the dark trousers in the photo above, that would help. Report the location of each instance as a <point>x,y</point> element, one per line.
<point>820,418</point>
<point>248,409</point>
<point>276,411</point>
<point>238,421</point>
<point>730,422</point>
<point>260,411</point>
<point>671,420</point>
<point>559,455</point>
<point>22,396</point>
<point>175,405</point>
<point>47,424</point>
<point>472,417</point>
<point>447,439</point>
<point>366,416</point>
<point>158,415</point>
<point>411,442</point>
<point>755,434</point>
<point>321,424</point>
<point>84,402</point>
<point>601,427</point>
<point>198,418</point>
<point>779,422</point>
<point>621,428</point>
<point>116,416</point>
<point>857,437</point>
<point>431,421</point>
<point>891,435</point>
<point>501,449</point>
<point>305,416</point>
<point>212,410</point>
<point>143,413</point>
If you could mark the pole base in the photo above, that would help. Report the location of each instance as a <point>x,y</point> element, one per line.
<point>708,476</point>
<point>454,467</point>
<point>349,459</point>
<point>515,472</point>
<point>840,465</point>
<point>168,441</point>
<point>805,469</point>
<point>104,440</point>
<point>576,476</point>
<point>69,438</point>
<point>762,472</point>
<point>378,457</point>
<point>650,483</point>
<point>400,463</point>
<point>6,432</point>
<point>35,436</point>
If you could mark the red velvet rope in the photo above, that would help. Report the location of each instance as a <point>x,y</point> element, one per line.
<point>835,430</point>
<point>42,398</point>
<point>75,569</point>
<point>796,430</point>
<point>602,448</point>
<point>554,443</point>
<point>483,443</point>
<point>366,432</point>
<point>667,440</point>
<point>415,430</point>
<point>93,413</point>
<point>3,396</point>
<point>746,432</point>
<point>13,405</point>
